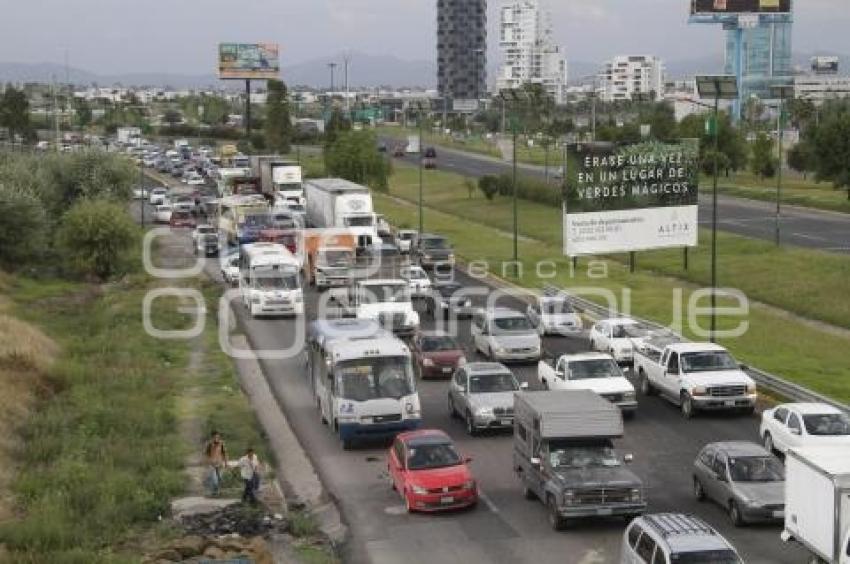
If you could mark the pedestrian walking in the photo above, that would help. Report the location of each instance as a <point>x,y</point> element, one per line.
<point>249,469</point>
<point>215,453</point>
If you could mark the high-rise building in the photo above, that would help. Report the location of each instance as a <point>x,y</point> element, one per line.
<point>529,52</point>
<point>462,49</point>
<point>627,77</point>
<point>764,57</point>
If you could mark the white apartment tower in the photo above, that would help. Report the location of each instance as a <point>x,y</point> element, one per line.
<point>627,77</point>
<point>529,53</point>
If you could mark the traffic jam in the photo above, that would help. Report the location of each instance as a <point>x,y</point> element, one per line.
<point>408,355</point>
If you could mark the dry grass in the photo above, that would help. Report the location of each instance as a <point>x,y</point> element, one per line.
<point>25,354</point>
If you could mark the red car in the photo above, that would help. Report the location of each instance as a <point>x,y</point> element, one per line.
<point>429,474</point>
<point>181,219</point>
<point>436,354</point>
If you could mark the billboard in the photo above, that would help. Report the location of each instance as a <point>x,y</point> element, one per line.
<point>248,61</point>
<point>825,65</point>
<point>740,7</point>
<point>635,197</point>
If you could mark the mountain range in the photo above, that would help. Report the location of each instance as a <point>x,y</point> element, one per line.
<point>365,70</point>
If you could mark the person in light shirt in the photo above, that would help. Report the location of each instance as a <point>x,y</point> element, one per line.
<point>249,470</point>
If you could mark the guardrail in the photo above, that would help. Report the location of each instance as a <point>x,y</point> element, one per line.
<point>770,382</point>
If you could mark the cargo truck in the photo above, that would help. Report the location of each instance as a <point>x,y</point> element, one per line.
<point>564,456</point>
<point>817,502</point>
<point>279,178</point>
<point>338,203</point>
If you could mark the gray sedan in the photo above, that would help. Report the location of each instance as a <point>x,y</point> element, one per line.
<point>482,394</point>
<point>743,478</point>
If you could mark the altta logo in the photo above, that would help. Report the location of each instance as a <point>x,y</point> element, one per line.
<point>674,228</point>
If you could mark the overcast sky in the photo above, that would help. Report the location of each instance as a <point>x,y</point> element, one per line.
<point>118,36</point>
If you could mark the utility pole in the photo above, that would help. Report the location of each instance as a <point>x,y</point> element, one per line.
<point>421,173</point>
<point>347,103</point>
<point>248,108</point>
<point>781,91</point>
<point>332,66</point>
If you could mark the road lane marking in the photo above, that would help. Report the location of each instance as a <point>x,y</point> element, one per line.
<point>811,237</point>
<point>488,502</point>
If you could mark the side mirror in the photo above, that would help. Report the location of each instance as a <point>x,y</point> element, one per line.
<point>559,373</point>
<point>629,458</point>
<point>523,386</point>
<point>535,462</point>
<point>744,367</point>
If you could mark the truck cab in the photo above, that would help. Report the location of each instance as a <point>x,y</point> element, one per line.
<point>596,372</point>
<point>694,376</point>
<point>362,378</point>
<point>270,281</point>
<point>564,456</point>
<point>386,301</point>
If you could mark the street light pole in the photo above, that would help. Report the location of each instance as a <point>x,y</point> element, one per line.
<point>516,222</point>
<point>421,173</point>
<point>781,91</point>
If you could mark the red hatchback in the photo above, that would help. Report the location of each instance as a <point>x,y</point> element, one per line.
<point>182,219</point>
<point>436,354</point>
<point>428,472</point>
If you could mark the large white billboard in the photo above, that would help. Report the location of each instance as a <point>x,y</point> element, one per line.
<point>622,198</point>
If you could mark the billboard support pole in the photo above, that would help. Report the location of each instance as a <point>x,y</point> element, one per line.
<point>714,217</point>
<point>632,261</point>
<point>248,108</point>
<point>685,258</point>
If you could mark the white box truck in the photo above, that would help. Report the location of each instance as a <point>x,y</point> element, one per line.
<point>413,145</point>
<point>338,203</point>
<point>817,501</point>
<point>279,177</point>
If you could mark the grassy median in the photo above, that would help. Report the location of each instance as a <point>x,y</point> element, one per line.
<point>798,191</point>
<point>774,342</point>
<point>812,284</point>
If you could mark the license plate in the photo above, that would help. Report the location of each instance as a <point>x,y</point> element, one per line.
<point>729,403</point>
<point>778,514</point>
<point>604,511</point>
<point>507,422</point>
<point>447,370</point>
<point>448,499</point>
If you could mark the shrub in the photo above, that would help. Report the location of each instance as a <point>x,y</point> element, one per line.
<point>488,185</point>
<point>97,237</point>
<point>23,230</point>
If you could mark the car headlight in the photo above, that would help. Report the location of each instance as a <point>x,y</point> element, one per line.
<point>467,303</point>
<point>629,395</point>
<point>419,490</point>
<point>484,411</point>
<point>469,485</point>
<point>699,391</point>
<point>569,497</point>
<point>427,362</point>
<point>751,388</point>
<point>413,318</point>
<point>636,495</point>
<point>299,298</point>
<point>499,349</point>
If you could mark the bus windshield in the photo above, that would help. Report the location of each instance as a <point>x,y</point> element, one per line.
<point>368,378</point>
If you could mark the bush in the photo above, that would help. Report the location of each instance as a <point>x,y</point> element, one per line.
<point>97,238</point>
<point>352,156</point>
<point>23,230</point>
<point>488,185</point>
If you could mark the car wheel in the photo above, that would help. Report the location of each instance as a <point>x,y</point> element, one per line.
<point>528,493</point>
<point>768,443</point>
<point>687,406</point>
<point>645,385</point>
<point>735,514</point>
<point>470,425</point>
<point>347,444</point>
<point>699,493</point>
<point>557,522</point>
<point>545,384</point>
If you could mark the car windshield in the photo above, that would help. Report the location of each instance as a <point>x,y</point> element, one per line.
<point>432,455</point>
<point>379,293</point>
<point>591,369</point>
<point>756,469</point>
<point>256,221</point>
<point>557,307</point>
<point>296,207</point>
<point>583,456</point>
<point>705,557</point>
<point>338,258</point>
<point>438,343</point>
<point>180,215</point>
<point>827,424</point>
<point>359,221</point>
<point>374,378</point>
<point>405,236</point>
<point>416,274</point>
<point>204,229</point>
<point>707,361</point>
<point>276,281</point>
<point>447,290</point>
<point>492,383</point>
<point>434,244</point>
<point>518,324</point>
<point>629,331</point>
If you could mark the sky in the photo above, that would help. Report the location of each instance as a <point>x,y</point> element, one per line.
<point>180,36</point>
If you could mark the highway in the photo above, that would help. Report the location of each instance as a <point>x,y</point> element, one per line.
<point>814,229</point>
<point>504,527</point>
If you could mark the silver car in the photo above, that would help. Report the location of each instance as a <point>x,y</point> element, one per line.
<point>505,335</point>
<point>675,537</point>
<point>482,394</point>
<point>743,478</point>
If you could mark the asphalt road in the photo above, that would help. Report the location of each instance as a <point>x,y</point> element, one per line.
<point>504,527</point>
<point>815,229</point>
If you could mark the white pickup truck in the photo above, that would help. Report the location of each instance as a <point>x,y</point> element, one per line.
<point>694,376</point>
<point>592,371</point>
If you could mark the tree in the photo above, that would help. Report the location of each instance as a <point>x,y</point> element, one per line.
<point>352,156</point>
<point>488,185</point>
<point>801,112</point>
<point>801,157</point>
<point>831,144</point>
<point>23,231</point>
<point>15,112</point>
<point>763,162</point>
<point>172,117</point>
<point>96,237</point>
<point>336,124</point>
<point>731,142</point>
<point>83,111</point>
<point>278,126</point>
<point>661,118</point>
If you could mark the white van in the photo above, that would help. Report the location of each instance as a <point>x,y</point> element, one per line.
<point>270,280</point>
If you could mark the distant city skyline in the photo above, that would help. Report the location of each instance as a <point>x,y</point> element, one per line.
<point>113,36</point>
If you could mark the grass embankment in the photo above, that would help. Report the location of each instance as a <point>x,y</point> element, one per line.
<point>795,191</point>
<point>774,342</point>
<point>802,281</point>
<point>101,455</point>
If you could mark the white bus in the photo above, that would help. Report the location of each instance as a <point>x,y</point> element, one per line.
<point>363,380</point>
<point>270,280</point>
